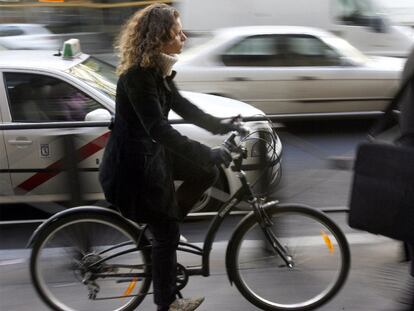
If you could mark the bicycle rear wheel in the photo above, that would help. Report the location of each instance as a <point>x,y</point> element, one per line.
<point>318,249</point>
<point>74,265</point>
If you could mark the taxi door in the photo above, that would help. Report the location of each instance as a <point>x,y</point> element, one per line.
<point>37,154</point>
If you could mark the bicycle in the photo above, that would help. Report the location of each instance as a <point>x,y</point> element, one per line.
<point>280,256</point>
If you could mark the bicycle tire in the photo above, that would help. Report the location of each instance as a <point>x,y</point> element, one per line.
<point>268,283</point>
<point>62,288</point>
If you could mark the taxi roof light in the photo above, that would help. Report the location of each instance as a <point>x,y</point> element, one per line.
<point>71,48</point>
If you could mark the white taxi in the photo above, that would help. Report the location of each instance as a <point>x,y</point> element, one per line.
<point>45,96</point>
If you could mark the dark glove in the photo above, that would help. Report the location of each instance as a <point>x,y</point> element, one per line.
<point>230,125</point>
<point>221,155</point>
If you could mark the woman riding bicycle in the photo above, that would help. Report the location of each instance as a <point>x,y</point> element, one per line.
<point>145,154</point>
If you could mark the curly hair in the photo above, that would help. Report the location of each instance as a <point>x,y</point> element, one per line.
<point>143,35</point>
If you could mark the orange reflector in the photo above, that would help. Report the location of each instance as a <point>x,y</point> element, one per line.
<point>327,241</point>
<point>131,287</point>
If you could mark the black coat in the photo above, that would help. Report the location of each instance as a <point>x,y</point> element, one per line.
<point>407,103</point>
<point>407,120</point>
<point>135,173</point>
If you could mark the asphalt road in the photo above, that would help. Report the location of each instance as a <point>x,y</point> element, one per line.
<point>310,173</point>
<point>377,279</point>
<point>375,282</point>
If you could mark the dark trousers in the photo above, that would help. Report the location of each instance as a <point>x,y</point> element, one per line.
<point>166,232</point>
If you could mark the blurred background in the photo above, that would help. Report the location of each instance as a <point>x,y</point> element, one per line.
<point>97,22</point>
<point>312,141</point>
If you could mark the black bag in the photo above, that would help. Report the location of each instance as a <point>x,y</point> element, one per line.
<point>382,195</point>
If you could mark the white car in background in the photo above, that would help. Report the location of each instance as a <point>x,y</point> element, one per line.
<point>27,37</point>
<point>290,71</point>
<point>42,88</point>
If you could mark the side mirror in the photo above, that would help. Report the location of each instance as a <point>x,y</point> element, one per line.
<point>99,114</point>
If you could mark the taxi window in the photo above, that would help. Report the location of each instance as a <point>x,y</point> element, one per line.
<point>305,50</point>
<point>41,98</point>
<point>263,51</point>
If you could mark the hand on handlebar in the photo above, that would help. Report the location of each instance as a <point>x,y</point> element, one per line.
<point>233,124</point>
<point>221,155</point>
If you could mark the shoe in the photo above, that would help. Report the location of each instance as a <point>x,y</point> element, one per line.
<point>186,304</point>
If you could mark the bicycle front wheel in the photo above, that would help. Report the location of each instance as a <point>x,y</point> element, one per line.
<point>88,262</point>
<point>315,246</point>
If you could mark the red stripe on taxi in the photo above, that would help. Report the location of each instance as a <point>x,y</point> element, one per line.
<point>82,153</point>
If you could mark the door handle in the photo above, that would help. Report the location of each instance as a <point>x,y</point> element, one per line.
<point>307,78</point>
<point>238,79</point>
<point>21,142</point>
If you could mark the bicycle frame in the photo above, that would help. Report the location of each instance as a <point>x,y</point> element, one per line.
<point>245,191</point>
<point>204,252</point>
<point>263,220</point>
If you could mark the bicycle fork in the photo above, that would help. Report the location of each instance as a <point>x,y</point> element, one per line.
<point>266,224</point>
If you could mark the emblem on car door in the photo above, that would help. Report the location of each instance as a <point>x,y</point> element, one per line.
<point>44,150</point>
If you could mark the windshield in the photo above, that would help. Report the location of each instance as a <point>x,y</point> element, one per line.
<point>349,8</point>
<point>97,74</point>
